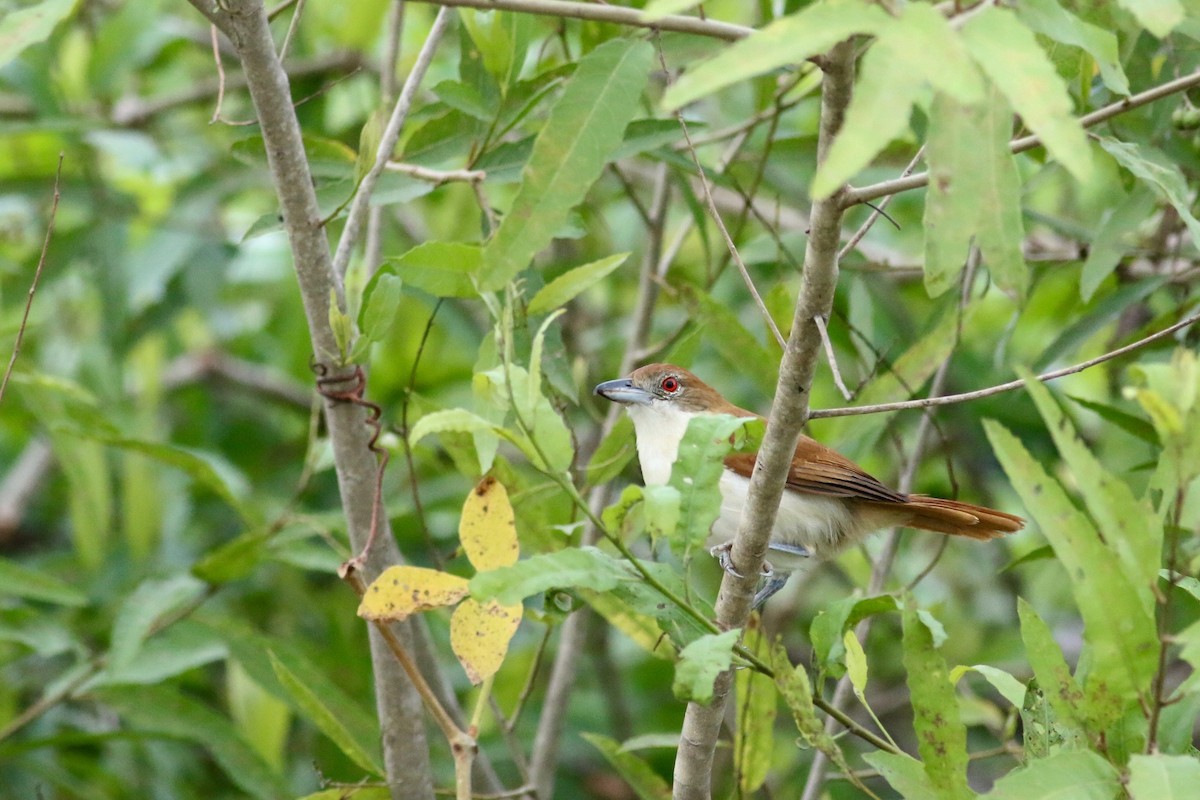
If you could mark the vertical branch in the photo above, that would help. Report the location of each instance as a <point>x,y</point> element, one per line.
<point>789,411</point>
<point>387,94</point>
<point>406,755</point>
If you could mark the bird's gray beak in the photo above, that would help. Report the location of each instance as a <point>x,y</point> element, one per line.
<point>623,391</point>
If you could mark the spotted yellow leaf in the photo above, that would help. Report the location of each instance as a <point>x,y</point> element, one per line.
<point>480,633</point>
<point>402,591</point>
<point>487,528</point>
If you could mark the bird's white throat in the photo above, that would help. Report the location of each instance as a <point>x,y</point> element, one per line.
<point>659,429</point>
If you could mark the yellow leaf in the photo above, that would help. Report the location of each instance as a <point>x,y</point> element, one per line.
<point>402,591</point>
<point>487,528</point>
<point>480,633</point>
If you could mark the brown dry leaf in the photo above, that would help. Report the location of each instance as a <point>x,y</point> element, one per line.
<point>488,530</point>
<point>480,633</point>
<point>402,591</point>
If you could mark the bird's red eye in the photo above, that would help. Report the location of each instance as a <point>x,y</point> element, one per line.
<point>670,385</point>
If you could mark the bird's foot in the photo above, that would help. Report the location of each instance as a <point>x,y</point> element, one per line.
<point>770,586</point>
<point>721,553</point>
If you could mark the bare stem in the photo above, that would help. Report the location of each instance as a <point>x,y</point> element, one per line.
<point>904,184</point>
<point>950,399</point>
<point>37,276</point>
<point>387,143</point>
<point>606,13</point>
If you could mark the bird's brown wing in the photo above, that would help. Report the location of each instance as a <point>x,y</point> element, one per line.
<point>819,470</point>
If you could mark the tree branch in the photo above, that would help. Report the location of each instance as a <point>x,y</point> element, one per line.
<point>606,13</point>
<point>406,754</point>
<point>950,399</point>
<point>789,411</point>
<point>387,144</point>
<point>855,196</point>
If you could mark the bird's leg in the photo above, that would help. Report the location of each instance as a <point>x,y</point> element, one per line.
<point>772,581</point>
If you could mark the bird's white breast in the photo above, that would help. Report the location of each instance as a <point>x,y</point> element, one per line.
<point>821,525</point>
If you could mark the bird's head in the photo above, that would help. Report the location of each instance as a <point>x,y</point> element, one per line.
<point>664,388</point>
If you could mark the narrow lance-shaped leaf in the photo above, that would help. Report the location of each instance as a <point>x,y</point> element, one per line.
<point>753,738</point>
<point>915,50</point>
<point>941,736</point>
<point>327,719</point>
<point>787,41</point>
<point>570,284</point>
<point>1077,774</point>
<point>1050,667</point>
<point>1118,629</point>
<point>645,782</point>
<point>1158,172</point>
<point>1009,55</point>
<point>586,125</point>
<point>1050,19</point>
<point>583,567</point>
<point>1130,526</point>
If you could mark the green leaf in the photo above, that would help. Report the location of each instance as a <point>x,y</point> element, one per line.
<point>615,451</point>
<point>701,662</point>
<point>856,664</point>
<point>657,9</point>
<point>1118,628</point>
<point>1160,173</point>
<point>941,736</point>
<point>1069,775</point>
<point>831,623</point>
<point>89,500</point>
<point>1051,20</point>
<point>794,687</point>
<point>729,337</point>
<point>1009,687</point>
<point>257,653</point>
<point>206,469</point>
<point>1009,55</point>
<point>903,773</point>
<point>645,782</point>
<point>1108,246</point>
<point>457,420</point>
<point>327,718</point>
<point>1097,319</point>
<point>696,473</point>
<point>19,580</point>
<point>152,601</point>
<point>787,41</point>
<point>1131,528</point>
<point>572,283</point>
<point>582,567</point>
<point>233,560</point>
<point>24,27</point>
<point>1163,777</point>
<point>974,191</point>
<point>157,710</point>
<point>341,325</point>
<point>381,300</point>
<point>914,51</point>
<point>584,129</point>
<point>1053,675</point>
<point>1159,16</point>
<point>754,731</point>
<point>443,269</point>
<point>540,421</point>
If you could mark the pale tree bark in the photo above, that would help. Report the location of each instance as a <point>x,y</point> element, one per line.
<point>405,751</point>
<point>789,411</point>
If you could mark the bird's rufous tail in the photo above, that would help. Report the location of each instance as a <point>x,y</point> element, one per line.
<point>960,519</point>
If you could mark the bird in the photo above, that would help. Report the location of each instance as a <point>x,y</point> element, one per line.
<point>828,503</point>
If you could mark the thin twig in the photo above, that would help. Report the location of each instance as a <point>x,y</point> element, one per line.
<point>37,276</point>
<point>716,215</point>
<point>950,399</point>
<point>291,31</point>
<point>607,13</point>
<point>436,175</point>
<point>865,193</point>
<point>413,483</point>
<point>877,211</point>
<point>829,354</point>
<point>216,48</point>
<point>387,143</point>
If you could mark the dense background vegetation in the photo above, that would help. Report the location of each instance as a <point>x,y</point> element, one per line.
<point>171,620</point>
